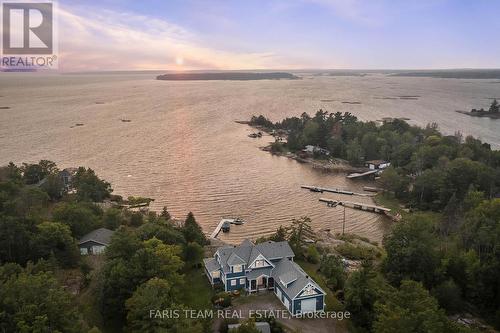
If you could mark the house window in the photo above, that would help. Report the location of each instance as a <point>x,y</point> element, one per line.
<point>237,268</point>
<point>309,291</point>
<point>260,263</point>
<point>242,281</point>
<point>233,282</point>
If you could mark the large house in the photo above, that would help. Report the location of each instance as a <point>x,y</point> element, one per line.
<point>266,266</point>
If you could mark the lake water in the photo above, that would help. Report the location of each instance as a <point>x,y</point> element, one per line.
<point>183,148</point>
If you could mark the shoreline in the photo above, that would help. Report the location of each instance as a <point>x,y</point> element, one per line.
<point>334,165</point>
<point>480,114</point>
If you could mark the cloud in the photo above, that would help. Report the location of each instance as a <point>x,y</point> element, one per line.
<point>97,39</point>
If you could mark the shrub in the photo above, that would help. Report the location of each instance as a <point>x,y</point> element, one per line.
<point>357,252</point>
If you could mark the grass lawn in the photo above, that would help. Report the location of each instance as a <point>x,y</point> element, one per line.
<point>198,292</point>
<point>332,303</point>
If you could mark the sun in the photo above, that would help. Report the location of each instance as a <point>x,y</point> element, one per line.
<point>179,60</point>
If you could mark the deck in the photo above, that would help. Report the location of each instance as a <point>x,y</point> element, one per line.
<point>335,190</point>
<point>357,205</point>
<point>364,174</point>
<point>218,228</point>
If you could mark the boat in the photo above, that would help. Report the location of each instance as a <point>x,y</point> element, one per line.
<point>255,135</point>
<point>238,221</point>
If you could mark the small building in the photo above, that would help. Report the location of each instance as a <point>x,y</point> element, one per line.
<point>226,226</point>
<point>377,164</point>
<point>311,150</point>
<point>95,242</point>
<point>261,326</point>
<point>67,175</point>
<point>266,266</point>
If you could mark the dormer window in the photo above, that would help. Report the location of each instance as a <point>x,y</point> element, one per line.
<point>260,263</point>
<point>309,290</point>
<point>237,269</point>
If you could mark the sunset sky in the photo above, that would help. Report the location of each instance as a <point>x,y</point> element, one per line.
<point>278,34</point>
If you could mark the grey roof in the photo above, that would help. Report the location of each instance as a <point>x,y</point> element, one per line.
<point>275,250</point>
<point>285,271</point>
<point>211,264</point>
<point>255,273</point>
<point>101,236</point>
<point>234,259</point>
<point>262,326</point>
<point>248,252</point>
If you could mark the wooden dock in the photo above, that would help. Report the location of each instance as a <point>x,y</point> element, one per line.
<point>372,189</point>
<point>356,205</point>
<point>335,190</point>
<point>364,174</point>
<point>218,228</point>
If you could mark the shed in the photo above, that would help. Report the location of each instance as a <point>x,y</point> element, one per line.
<point>95,242</point>
<point>377,164</point>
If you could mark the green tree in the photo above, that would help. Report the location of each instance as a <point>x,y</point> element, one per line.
<point>192,231</point>
<point>494,107</point>
<point>122,274</point>
<point>157,295</point>
<point>299,232</point>
<point>448,295</point>
<point>410,309</point>
<point>89,187</point>
<point>392,181</point>
<point>280,235</point>
<point>412,251</point>
<point>165,214</point>
<point>112,218</point>
<point>80,217</point>
<point>55,239</point>
<point>312,254</point>
<point>363,288</point>
<point>332,268</point>
<point>34,173</point>
<point>193,254</point>
<point>354,152</point>
<point>35,303</point>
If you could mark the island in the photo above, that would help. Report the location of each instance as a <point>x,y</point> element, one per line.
<point>493,112</point>
<point>235,76</point>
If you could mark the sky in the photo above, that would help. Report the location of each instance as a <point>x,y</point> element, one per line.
<point>278,34</point>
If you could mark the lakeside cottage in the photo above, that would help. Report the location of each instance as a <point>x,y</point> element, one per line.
<point>377,164</point>
<point>266,266</point>
<point>311,150</point>
<point>95,242</point>
<point>67,176</point>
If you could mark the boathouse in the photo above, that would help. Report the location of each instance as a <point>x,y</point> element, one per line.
<point>377,164</point>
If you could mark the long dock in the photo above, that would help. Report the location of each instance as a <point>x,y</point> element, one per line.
<point>335,190</point>
<point>217,229</point>
<point>356,205</point>
<point>357,175</point>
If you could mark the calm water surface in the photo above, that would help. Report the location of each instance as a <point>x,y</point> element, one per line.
<point>183,148</point>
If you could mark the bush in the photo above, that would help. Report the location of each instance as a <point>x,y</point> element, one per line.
<point>223,299</point>
<point>448,296</point>
<point>312,254</point>
<point>357,252</point>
